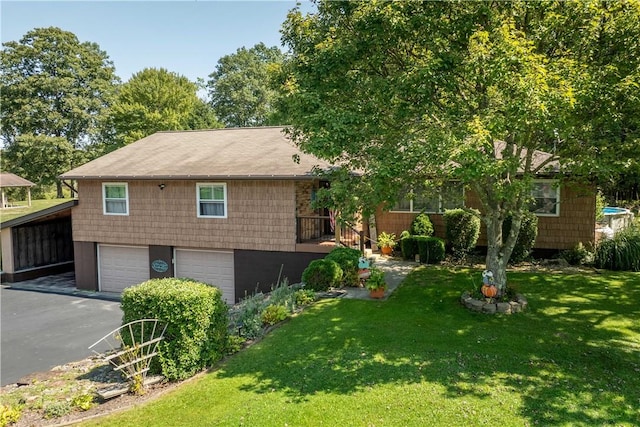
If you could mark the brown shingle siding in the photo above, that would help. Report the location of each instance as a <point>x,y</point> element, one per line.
<point>260,216</point>
<point>576,222</point>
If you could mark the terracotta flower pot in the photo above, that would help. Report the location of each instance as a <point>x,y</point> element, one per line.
<point>386,250</point>
<point>377,293</point>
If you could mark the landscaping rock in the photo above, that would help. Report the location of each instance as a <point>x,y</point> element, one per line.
<point>489,308</point>
<point>503,307</point>
<point>515,307</point>
<point>475,305</point>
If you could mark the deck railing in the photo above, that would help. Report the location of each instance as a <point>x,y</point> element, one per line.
<point>319,229</point>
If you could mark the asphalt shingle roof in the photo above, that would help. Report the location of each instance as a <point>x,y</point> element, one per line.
<point>236,153</point>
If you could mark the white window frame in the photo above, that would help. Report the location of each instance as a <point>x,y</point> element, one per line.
<point>439,211</point>
<point>211,184</point>
<point>104,198</point>
<point>553,184</point>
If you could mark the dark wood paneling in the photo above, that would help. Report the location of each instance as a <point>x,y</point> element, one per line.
<point>41,244</point>
<point>258,270</point>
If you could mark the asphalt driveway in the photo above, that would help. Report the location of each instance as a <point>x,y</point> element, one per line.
<point>43,330</point>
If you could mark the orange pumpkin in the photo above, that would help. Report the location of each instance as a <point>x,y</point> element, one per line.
<point>489,291</point>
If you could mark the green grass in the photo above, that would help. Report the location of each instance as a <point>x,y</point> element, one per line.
<point>8,214</point>
<point>419,358</point>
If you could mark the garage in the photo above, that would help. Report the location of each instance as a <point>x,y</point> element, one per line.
<point>212,267</point>
<point>122,266</point>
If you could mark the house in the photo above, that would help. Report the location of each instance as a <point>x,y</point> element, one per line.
<point>37,243</point>
<point>229,207</point>
<point>566,211</point>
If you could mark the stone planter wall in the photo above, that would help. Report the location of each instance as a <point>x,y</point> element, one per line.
<point>489,305</point>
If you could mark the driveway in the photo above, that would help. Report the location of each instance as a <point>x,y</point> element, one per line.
<point>43,330</point>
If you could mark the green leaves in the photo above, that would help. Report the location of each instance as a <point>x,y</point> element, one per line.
<point>240,87</point>
<point>157,99</point>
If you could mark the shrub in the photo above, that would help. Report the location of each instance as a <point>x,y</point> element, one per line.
<point>57,409</point>
<point>322,274</point>
<point>405,233</point>
<point>620,253</point>
<point>577,255</point>
<point>9,415</point>
<point>273,314</point>
<point>409,247</point>
<point>304,297</point>
<point>462,230</point>
<point>246,316</point>
<point>431,249</point>
<point>347,259</point>
<point>84,402</point>
<point>526,237</point>
<point>196,319</point>
<point>421,226</point>
<point>283,294</point>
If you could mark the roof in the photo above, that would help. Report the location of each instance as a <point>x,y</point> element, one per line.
<point>12,180</point>
<point>236,153</point>
<point>39,214</point>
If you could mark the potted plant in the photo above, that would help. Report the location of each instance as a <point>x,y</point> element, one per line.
<point>376,283</point>
<point>386,242</point>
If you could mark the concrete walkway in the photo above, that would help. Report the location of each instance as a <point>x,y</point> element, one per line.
<point>395,270</point>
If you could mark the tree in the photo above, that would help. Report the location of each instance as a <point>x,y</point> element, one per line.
<point>240,89</point>
<point>157,99</point>
<point>53,86</point>
<point>40,159</point>
<point>471,91</point>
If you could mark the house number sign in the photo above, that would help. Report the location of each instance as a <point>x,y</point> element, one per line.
<point>160,266</point>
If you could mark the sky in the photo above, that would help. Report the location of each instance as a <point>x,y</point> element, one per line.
<point>186,37</point>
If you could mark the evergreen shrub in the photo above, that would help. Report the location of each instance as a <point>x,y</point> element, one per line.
<point>347,259</point>
<point>462,228</point>
<point>409,247</point>
<point>431,249</point>
<point>196,319</point>
<point>421,226</point>
<point>322,274</point>
<point>526,237</point>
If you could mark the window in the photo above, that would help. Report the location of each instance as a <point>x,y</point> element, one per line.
<point>545,198</point>
<point>115,196</point>
<point>449,196</point>
<point>212,200</point>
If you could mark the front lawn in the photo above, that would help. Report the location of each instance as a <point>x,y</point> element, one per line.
<point>419,358</point>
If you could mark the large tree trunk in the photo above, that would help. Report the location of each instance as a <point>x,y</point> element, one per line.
<point>60,194</point>
<point>499,249</point>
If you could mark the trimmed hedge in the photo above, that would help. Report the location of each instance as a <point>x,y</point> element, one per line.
<point>462,230</point>
<point>421,226</point>
<point>526,238</point>
<point>196,319</point>
<point>322,274</point>
<point>409,247</point>
<point>431,249</point>
<point>347,259</point>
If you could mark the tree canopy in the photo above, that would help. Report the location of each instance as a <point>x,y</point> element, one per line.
<point>52,84</point>
<point>406,92</point>
<point>240,88</point>
<point>55,94</point>
<point>157,99</point>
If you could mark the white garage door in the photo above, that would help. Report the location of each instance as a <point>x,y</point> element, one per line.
<point>212,267</point>
<point>122,266</point>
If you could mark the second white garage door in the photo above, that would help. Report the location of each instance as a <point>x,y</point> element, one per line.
<point>212,267</point>
<point>122,266</point>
